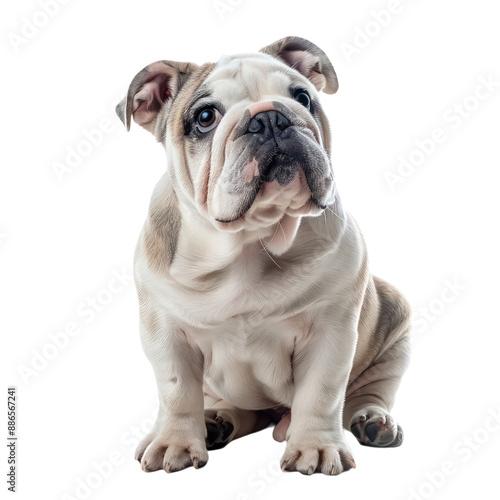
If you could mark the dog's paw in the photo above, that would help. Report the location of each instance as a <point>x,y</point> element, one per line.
<point>317,456</point>
<point>373,426</point>
<point>171,452</point>
<point>221,428</point>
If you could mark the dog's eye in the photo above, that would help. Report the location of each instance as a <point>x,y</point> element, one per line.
<point>303,98</point>
<point>207,119</point>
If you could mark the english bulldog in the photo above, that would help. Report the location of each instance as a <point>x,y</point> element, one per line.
<point>257,306</point>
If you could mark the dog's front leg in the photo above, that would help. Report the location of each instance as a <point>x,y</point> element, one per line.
<point>177,440</point>
<point>321,366</point>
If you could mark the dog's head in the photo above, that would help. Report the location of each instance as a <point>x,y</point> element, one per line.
<point>247,140</point>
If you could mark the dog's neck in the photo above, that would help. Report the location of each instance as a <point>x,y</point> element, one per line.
<point>204,250</point>
<point>210,249</point>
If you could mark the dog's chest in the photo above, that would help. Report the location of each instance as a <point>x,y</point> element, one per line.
<point>248,360</point>
<point>252,286</point>
<point>246,318</point>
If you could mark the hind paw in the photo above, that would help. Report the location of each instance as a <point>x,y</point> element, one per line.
<point>373,426</point>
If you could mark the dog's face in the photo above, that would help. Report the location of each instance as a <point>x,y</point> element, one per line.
<point>247,140</point>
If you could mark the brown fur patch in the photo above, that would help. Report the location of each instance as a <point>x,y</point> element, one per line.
<point>161,231</point>
<point>385,318</point>
<point>175,114</point>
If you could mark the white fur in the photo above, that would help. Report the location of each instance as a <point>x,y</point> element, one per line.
<point>235,319</point>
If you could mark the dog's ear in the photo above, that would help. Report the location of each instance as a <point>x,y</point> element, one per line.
<point>151,89</point>
<point>306,58</point>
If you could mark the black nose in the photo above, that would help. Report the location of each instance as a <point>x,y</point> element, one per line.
<point>268,123</point>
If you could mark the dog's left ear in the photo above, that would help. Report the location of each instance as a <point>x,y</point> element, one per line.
<point>151,89</point>
<point>306,58</point>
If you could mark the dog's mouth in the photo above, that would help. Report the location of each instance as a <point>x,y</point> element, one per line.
<point>282,167</point>
<point>292,176</point>
<point>282,188</point>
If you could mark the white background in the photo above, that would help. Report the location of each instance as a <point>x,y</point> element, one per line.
<point>62,239</point>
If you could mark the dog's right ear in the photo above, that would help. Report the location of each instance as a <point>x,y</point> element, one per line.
<point>153,88</point>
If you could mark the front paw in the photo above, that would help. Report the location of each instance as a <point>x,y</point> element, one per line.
<point>172,451</point>
<point>312,454</point>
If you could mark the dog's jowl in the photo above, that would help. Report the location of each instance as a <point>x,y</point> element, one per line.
<point>257,305</point>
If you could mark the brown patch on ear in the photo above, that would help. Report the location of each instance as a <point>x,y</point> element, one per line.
<point>161,231</point>
<point>308,59</point>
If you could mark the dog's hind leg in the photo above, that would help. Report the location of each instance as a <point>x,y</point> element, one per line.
<point>370,396</point>
<point>226,423</point>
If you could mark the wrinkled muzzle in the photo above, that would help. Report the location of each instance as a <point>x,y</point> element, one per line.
<point>272,146</point>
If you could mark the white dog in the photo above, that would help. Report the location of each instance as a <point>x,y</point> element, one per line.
<point>256,303</point>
